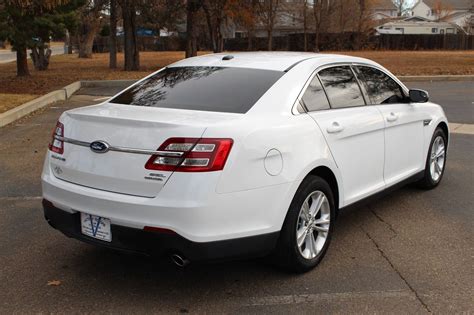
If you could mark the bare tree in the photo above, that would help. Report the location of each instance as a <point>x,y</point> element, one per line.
<point>268,11</point>
<point>344,13</point>
<point>364,21</point>
<point>113,35</point>
<point>130,44</point>
<point>441,10</point>
<point>305,24</point>
<point>192,7</point>
<point>321,11</point>
<point>245,14</point>
<point>90,22</point>
<point>469,22</point>
<point>215,11</point>
<point>401,6</point>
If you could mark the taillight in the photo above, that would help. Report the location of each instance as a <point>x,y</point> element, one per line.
<point>191,155</point>
<point>57,144</point>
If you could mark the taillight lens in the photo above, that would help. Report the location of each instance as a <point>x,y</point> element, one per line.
<point>191,155</point>
<point>57,145</point>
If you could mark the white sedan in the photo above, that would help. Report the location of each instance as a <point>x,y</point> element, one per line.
<point>224,156</point>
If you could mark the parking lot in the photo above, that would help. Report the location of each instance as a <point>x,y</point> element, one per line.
<point>409,252</point>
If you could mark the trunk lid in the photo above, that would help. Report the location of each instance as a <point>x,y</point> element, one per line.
<point>132,127</point>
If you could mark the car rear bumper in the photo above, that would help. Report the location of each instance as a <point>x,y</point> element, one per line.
<point>162,243</point>
<point>188,204</point>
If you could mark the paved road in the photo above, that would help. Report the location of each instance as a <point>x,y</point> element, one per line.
<point>457,98</point>
<point>410,252</point>
<point>9,56</point>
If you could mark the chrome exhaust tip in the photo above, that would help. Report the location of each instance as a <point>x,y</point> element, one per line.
<point>179,260</point>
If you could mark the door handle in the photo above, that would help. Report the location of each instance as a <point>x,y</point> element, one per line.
<point>335,128</point>
<point>392,117</point>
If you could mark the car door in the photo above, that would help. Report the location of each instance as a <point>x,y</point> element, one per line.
<point>403,124</point>
<point>353,131</point>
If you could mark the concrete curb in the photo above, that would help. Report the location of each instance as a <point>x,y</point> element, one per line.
<point>433,78</point>
<point>67,91</point>
<point>107,83</point>
<point>70,89</point>
<point>58,95</point>
<point>25,109</point>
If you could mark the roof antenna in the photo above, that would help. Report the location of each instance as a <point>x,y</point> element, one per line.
<point>228,57</point>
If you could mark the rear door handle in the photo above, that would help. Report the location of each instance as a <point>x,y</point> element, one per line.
<point>335,128</point>
<point>392,117</point>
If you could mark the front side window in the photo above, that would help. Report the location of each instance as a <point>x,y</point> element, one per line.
<point>314,97</point>
<point>380,88</point>
<point>341,87</point>
<point>217,89</point>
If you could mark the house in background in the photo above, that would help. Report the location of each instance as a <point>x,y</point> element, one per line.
<point>459,12</point>
<point>384,10</point>
<point>416,25</point>
<point>288,19</point>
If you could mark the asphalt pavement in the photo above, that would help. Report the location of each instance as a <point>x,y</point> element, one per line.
<point>456,97</point>
<point>9,56</point>
<point>409,252</point>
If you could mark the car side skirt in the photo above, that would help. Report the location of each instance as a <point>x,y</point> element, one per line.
<point>367,200</point>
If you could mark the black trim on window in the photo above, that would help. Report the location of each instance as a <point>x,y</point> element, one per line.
<point>357,82</point>
<point>297,105</point>
<point>363,83</point>
<point>362,90</point>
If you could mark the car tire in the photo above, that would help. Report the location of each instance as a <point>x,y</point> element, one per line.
<point>289,254</point>
<point>435,161</point>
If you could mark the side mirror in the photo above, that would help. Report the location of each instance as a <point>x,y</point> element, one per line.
<point>419,96</point>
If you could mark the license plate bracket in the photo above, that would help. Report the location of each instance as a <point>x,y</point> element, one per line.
<point>96,227</point>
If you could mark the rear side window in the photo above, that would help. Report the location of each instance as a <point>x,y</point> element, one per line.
<point>341,87</point>
<point>380,88</point>
<point>314,97</point>
<point>217,89</point>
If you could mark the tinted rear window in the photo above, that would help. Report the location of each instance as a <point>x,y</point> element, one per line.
<point>217,89</point>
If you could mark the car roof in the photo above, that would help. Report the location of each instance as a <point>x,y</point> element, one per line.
<point>279,61</point>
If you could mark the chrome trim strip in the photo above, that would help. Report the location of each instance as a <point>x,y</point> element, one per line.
<point>72,141</point>
<point>122,149</point>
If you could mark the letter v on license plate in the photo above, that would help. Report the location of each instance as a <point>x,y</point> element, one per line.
<point>96,227</point>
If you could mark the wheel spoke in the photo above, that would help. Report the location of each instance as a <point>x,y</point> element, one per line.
<point>438,167</point>
<point>301,236</point>
<point>439,154</point>
<point>434,149</point>
<point>315,247</point>
<point>305,209</point>
<point>310,245</point>
<point>321,228</point>
<point>321,221</point>
<point>316,205</point>
<point>439,148</point>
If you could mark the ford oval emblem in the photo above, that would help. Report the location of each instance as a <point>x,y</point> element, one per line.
<point>99,146</point>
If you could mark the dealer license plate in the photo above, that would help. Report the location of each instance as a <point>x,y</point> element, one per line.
<point>96,227</point>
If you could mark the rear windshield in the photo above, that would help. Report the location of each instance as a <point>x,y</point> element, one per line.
<point>216,89</point>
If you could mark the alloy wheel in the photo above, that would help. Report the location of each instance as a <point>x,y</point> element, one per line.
<point>312,227</point>
<point>437,158</point>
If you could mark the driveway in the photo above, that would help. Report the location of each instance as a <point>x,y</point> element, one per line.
<point>409,252</point>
